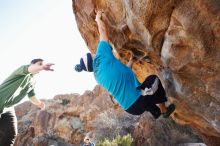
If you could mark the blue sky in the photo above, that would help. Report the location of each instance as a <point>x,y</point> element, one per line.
<point>43,29</point>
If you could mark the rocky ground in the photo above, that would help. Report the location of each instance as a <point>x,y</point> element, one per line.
<point>68,118</point>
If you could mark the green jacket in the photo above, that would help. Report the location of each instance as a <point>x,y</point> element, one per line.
<point>16,87</point>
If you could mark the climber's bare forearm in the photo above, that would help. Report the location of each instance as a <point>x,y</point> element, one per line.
<point>37,102</point>
<point>101,27</point>
<point>102,31</point>
<point>131,61</point>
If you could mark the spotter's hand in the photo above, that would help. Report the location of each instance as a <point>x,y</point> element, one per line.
<point>47,67</point>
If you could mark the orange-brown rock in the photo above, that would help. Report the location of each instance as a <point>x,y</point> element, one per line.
<point>68,118</point>
<point>177,39</point>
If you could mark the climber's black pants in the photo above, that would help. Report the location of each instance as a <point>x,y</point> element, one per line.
<point>8,125</point>
<point>148,102</point>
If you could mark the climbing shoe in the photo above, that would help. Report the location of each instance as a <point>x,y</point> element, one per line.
<point>169,111</point>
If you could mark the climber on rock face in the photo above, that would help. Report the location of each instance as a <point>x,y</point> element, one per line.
<point>19,84</point>
<point>119,80</point>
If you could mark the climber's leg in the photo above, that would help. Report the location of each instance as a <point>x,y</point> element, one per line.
<point>153,109</point>
<point>136,108</point>
<point>143,104</point>
<point>162,107</point>
<point>169,110</point>
<point>157,96</point>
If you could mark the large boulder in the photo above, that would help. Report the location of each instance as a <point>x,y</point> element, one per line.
<point>177,39</point>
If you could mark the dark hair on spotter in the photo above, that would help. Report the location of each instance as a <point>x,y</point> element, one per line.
<point>36,60</point>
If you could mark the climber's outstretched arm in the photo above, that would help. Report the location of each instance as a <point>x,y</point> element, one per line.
<point>101,27</point>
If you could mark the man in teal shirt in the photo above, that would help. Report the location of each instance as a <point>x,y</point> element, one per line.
<point>19,84</point>
<point>121,82</point>
<point>115,77</point>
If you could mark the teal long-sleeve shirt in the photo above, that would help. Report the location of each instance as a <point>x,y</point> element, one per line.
<point>16,87</point>
<point>115,77</point>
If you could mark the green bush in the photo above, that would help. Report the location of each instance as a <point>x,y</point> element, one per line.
<point>117,141</point>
